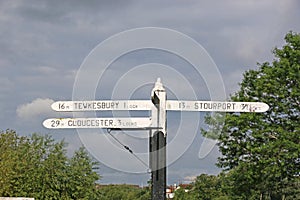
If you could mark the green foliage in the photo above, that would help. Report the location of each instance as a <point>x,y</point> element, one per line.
<point>215,123</point>
<point>81,168</point>
<point>38,167</point>
<point>205,187</point>
<point>232,185</point>
<point>124,192</point>
<point>181,194</point>
<point>208,187</point>
<point>262,149</point>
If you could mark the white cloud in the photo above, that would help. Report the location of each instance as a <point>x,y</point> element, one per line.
<point>36,108</point>
<point>190,178</point>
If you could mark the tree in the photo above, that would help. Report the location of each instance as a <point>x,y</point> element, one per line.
<point>264,149</point>
<point>38,167</point>
<point>8,158</point>
<point>208,187</point>
<point>83,176</point>
<point>125,192</point>
<point>181,194</point>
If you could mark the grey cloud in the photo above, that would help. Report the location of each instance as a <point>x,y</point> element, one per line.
<point>55,11</point>
<point>46,70</point>
<point>6,85</point>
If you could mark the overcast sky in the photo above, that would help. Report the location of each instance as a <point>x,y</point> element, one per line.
<point>44,43</point>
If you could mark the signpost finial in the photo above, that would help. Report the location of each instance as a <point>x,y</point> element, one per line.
<point>158,85</point>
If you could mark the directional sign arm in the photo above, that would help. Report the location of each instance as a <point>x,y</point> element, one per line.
<point>110,123</point>
<point>171,105</point>
<point>216,106</point>
<point>101,105</point>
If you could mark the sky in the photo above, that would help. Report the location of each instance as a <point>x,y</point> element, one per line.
<point>46,48</point>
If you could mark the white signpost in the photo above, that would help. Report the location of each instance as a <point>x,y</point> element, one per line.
<point>156,124</point>
<point>109,123</point>
<point>171,105</point>
<point>216,106</point>
<point>104,105</point>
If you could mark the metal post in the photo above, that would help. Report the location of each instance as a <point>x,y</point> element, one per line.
<point>157,143</point>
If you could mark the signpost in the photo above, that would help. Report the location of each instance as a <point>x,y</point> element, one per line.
<point>156,124</point>
<point>216,106</point>
<point>104,105</point>
<point>110,123</point>
<point>171,105</point>
<point>157,142</point>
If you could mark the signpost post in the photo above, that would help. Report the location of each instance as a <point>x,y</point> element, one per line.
<point>156,124</point>
<point>157,142</point>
